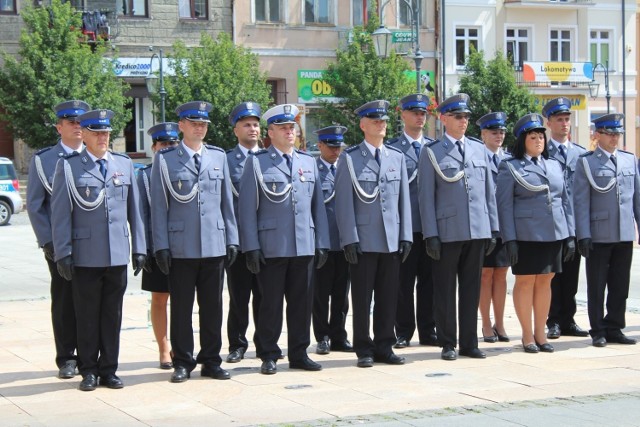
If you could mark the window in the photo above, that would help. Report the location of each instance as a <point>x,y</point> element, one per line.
<point>466,39</point>
<point>404,12</point>
<point>599,46</point>
<point>268,11</point>
<point>362,11</point>
<point>318,11</point>
<point>135,8</point>
<point>7,7</point>
<point>191,9</point>
<point>560,45</point>
<point>517,46</point>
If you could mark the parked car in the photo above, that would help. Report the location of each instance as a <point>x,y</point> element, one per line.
<point>10,200</point>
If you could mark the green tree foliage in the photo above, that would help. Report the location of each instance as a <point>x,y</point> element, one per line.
<point>492,86</point>
<point>218,72</point>
<point>359,76</point>
<point>54,65</point>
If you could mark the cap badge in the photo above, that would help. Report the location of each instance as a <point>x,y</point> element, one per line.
<point>419,97</point>
<point>249,105</point>
<point>76,104</point>
<point>287,109</point>
<point>203,106</point>
<point>167,127</point>
<point>103,114</point>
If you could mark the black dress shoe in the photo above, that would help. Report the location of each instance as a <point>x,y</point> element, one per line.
<point>166,365</point>
<point>89,383</point>
<point>111,381</point>
<point>215,372</point>
<point>68,370</point>
<point>323,346</point>
<point>306,364</point>
<point>448,353</point>
<point>180,374</point>
<point>365,362</point>
<point>501,338</point>
<point>431,339</point>
<point>621,338</point>
<point>474,353</point>
<point>574,331</point>
<point>530,348</point>
<point>391,359</point>
<point>599,341</point>
<point>554,332</point>
<point>268,367</point>
<point>545,348</point>
<point>344,346</point>
<point>236,355</point>
<point>491,338</point>
<point>281,356</point>
<point>401,342</point>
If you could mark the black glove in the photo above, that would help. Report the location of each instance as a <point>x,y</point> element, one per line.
<point>491,243</point>
<point>148,265</point>
<point>584,246</point>
<point>254,259</point>
<point>404,249</point>
<point>232,254</point>
<point>351,253</point>
<point>569,249</point>
<point>138,261</point>
<point>163,259</point>
<point>433,248</point>
<point>512,252</point>
<point>65,267</point>
<point>322,255</point>
<point>48,251</point>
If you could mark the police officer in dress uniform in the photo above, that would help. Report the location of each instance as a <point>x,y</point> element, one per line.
<point>493,285</point>
<point>418,264</point>
<point>564,286</point>
<point>94,203</point>
<point>194,230</point>
<point>606,197</point>
<point>242,283</point>
<point>459,223</point>
<point>283,223</point>
<point>41,170</point>
<point>332,280</point>
<point>163,135</point>
<point>373,207</point>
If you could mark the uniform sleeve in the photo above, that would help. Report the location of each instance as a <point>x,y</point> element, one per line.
<point>230,224</point>
<point>426,195</point>
<point>404,208</point>
<point>320,213</point>
<point>37,206</point>
<point>567,205</point>
<point>504,200</point>
<point>134,216</point>
<point>61,214</point>
<point>345,209</point>
<point>490,194</point>
<point>145,210</point>
<point>581,202</point>
<point>248,208</point>
<point>636,196</point>
<point>159,208</point>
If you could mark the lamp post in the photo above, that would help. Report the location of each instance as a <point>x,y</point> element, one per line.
<point>595,86</point>
<point>382,37</point>
<point>150,80</point>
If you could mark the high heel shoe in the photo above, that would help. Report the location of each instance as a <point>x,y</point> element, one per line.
<point>501,338</point>
<point>530,348</point>
<point>545,348</point>
<point>490,338</point>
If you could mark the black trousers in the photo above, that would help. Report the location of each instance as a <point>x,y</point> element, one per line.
<point>290,279</point>
<point>188,277</point>
<point>242,284</point>
<point>608,267</point>
<point>63,316</point>
<point>97,297</point>
<point>416,267</point>
<point>564,287</point>
<point>374,276</point>
<point>331,282</point>
<point>461,261</point>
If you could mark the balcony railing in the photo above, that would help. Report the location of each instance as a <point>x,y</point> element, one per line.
<point>563,85</point>
<point>552,2</point>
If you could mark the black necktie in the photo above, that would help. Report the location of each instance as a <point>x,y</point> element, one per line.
<point>613,160</point>
<point>495,160</point>
<point>377,156</point>
<point>534,160</point>
<point>332,168</point>
<point>103,167</point>
<point>196,161</point>
<point>459,145</point>
<point>288,159</point>
<point>416,147</point>
<point>563,152</point>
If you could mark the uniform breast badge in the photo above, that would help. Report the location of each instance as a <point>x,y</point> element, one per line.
<point>87,192</point>
<point>301,173</point>
<point>179,184</point>
<point>273,187</point>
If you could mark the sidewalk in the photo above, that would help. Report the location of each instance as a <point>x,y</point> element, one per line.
<point>578,385</point>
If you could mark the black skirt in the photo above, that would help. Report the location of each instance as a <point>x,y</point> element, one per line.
<point>155,281</point>
<point>538,258</point>
<point>497,258</point>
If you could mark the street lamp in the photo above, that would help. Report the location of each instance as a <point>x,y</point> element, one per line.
<point>382,37</point>
<point>151,81</point>
<point>594,86</point>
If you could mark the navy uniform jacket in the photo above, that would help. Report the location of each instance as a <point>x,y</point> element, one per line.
<point>527,215</point>
<point>289,225</point>
<point>411,159</point>
<point>568,167</point>
<point>379,224</point>
<point>39,187</point>
<point>97,237</point>
<point>461,210</point>
<point>607,217</point>
<point>327,181</point>
<point>192,222</point>
<point>144,188</point>
<point>236,161</point>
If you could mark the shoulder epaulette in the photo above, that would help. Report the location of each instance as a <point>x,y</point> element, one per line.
<point>303,152</point>
<point>391,147</point>
<point>580,146</point>
<point>230,150</point>
<point>148,166</point>
<point>552,158</point>
<point>166,150</point>
<point>432,143</point>
<point>213,147</point>
<point>264,150</point>
<point>624,151</point>
<point>392,141</point>
<point>588,153</point>
<point>474,139</point>
<point>121,155</point>
<point>44,150</point>
<point>428,140</point>
<point>72,154</point>
<point>352,148</point>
